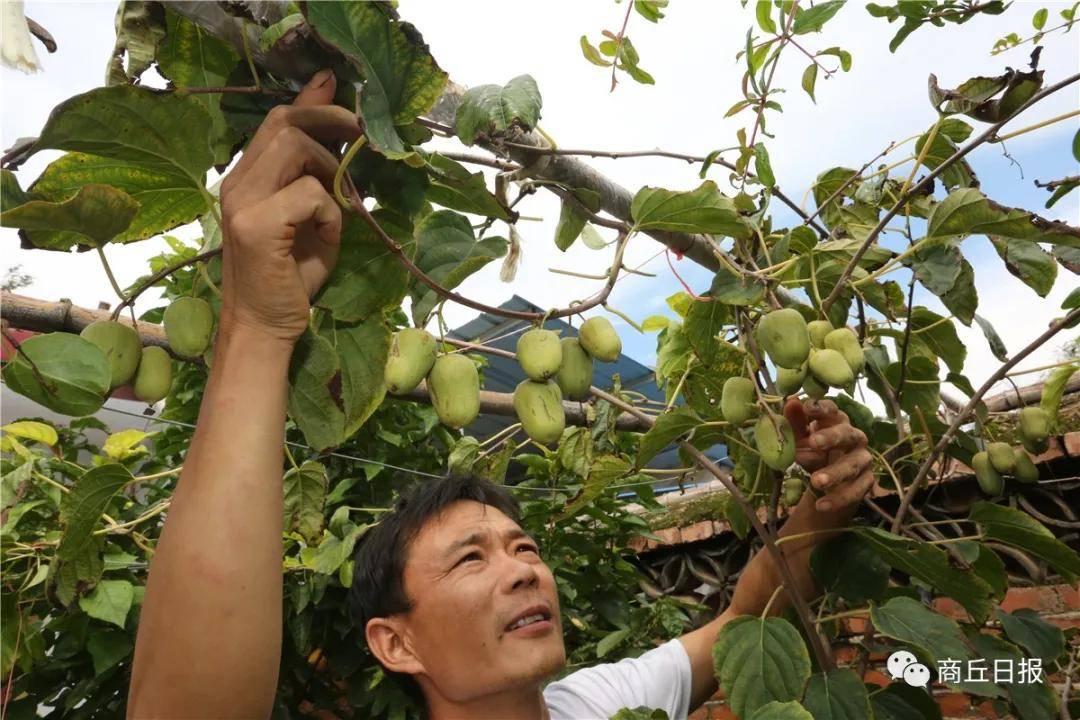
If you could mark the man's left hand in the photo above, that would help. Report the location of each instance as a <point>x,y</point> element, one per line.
<point>832,450</point>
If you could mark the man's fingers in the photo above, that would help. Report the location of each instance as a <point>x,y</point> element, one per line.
<point>836,437</point>
<point>795,413</point>
<point>291,154</point>
<point>319,89</point>
<point>849,494</point>
<point>845,468</point>
<point>305,200</point>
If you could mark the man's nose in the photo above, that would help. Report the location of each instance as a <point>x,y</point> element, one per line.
<point>520,574</point>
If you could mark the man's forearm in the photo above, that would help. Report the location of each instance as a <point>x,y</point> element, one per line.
<point>761,577</point>
<point>210,629</point>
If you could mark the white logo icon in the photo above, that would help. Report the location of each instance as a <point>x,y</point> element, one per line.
<point>917,675</point>
<point>898,661</point>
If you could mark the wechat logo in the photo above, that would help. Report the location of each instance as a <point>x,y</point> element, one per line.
<point>903,665</point>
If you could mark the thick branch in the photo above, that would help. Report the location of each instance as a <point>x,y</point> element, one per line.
<point>28,313</point>
<point>961,418</point>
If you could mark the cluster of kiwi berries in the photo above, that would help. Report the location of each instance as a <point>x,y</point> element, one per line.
<point>809,356</point>
<point>999,458</point>
<point>188,324</point>
<point>555,369</point>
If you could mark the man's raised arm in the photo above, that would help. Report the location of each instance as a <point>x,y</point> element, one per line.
<point>209,638</point>
<point>835,453</point>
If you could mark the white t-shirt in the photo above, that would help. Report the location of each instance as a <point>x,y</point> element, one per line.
<point>659,678</point>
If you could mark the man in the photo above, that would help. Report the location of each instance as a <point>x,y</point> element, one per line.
<point>449,589</point>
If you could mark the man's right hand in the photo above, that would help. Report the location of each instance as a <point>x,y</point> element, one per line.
<point>281,227</point>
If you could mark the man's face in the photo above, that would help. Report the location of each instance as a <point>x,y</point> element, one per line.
<point>472,575</point>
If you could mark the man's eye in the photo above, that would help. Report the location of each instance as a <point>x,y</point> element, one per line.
<point>529,548</point>
<point>470,556</point>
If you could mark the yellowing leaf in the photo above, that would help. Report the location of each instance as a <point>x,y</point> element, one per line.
<point>31,430</point>
<point>121,445</point>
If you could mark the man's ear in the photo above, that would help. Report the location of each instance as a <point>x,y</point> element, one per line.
<point>388,642</point>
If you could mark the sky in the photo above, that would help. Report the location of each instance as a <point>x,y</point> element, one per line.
<point>691,54</point>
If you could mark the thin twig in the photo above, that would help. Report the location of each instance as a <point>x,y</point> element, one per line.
<point>159,275</point>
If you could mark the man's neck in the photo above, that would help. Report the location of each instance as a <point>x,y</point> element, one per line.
<point>524,704</point>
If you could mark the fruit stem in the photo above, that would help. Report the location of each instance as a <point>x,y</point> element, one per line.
<point>768,605</point>
<point>109,273</point>
<point>339,175</point>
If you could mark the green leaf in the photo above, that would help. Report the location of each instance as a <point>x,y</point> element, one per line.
<point>11,194</point>
<point>1054,388</point>
<point>814,18</point>
<point>492,109</point>
<point>759,660</point>
<point>304,492</point>
<point>641,712</point>
<point>668,427</point>
<point>809,78</point>
<point>332,552</point>
<point>702,210</point>
<point>850,568</point>
<point>98,213</point>
<point>704,322</point>
<point>401,78</point>
<point>762,166</point>
<point>924,394</point>
<point>368,278</point>
<point>32,430</point>
<point>313,365</point>
<point>591,238</point>
<point>736,290</point>
<point>997,346</point>
<point>190,57</point>
<point>1076,146</point>
<point>776,710</point>
<point>163,130</point>
<point>83,569</point>
<point>571,221</point>
<point>1032,700</point>
<point>362,349</point>
<point>1025,628</point>
<point>900,701</point>
<point>959,174</point>
<point>611,641</point>
<point>74,371</point>
<point>843,55</point>
<point>277,31</point>
<point>592,54</point>
<point>763,12</point>
<point>1038,20</point>
<point>1029,262</point>
<point>932,565</point>
<point>108,647</point>
<point>139,28</point>
<point>575,452</point>
<point>165,198</point>
<point>939,334</point>
<point>109,601</point>
<point>838,695</point>
<point>912,623</point>
<point>1020,530</point>
<point>448,252</point>
<point>967,211</point>
<point>650,9</point>
<point>82,508</point>
<point>454,187</point>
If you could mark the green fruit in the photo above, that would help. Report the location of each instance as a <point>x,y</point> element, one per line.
<point>154,376</point>
<point>738,400</point>
<point>789,381</point>
<point>793,491</point>
<point>412,353</point>
<point>813,388</point>
<point>539,353</point>
<point>599,339</point>
<point>454,385</point>
<point>817,330</point>
<point>576,372</point>
<point>775,441</point>
<point>121,346</point>
<point>1002,457</point>
<point>989,479</point>
<point>829,368</point>
<point>1025,471</point>
<point>539,408</point>
<point>783,335</point>
<point>1034,424</point>
<point>846,342</point>
<point>188,322</point>
<point>1035,447</point>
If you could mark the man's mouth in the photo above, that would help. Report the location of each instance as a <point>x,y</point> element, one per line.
<point>531,616</point>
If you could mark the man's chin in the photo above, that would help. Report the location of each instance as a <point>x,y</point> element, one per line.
<point>539,658</point>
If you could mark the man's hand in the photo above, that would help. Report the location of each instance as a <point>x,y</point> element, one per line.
<point>833,452</point>
<point>281,227</point>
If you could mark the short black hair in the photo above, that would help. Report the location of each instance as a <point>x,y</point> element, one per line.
<point>378,585</point>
